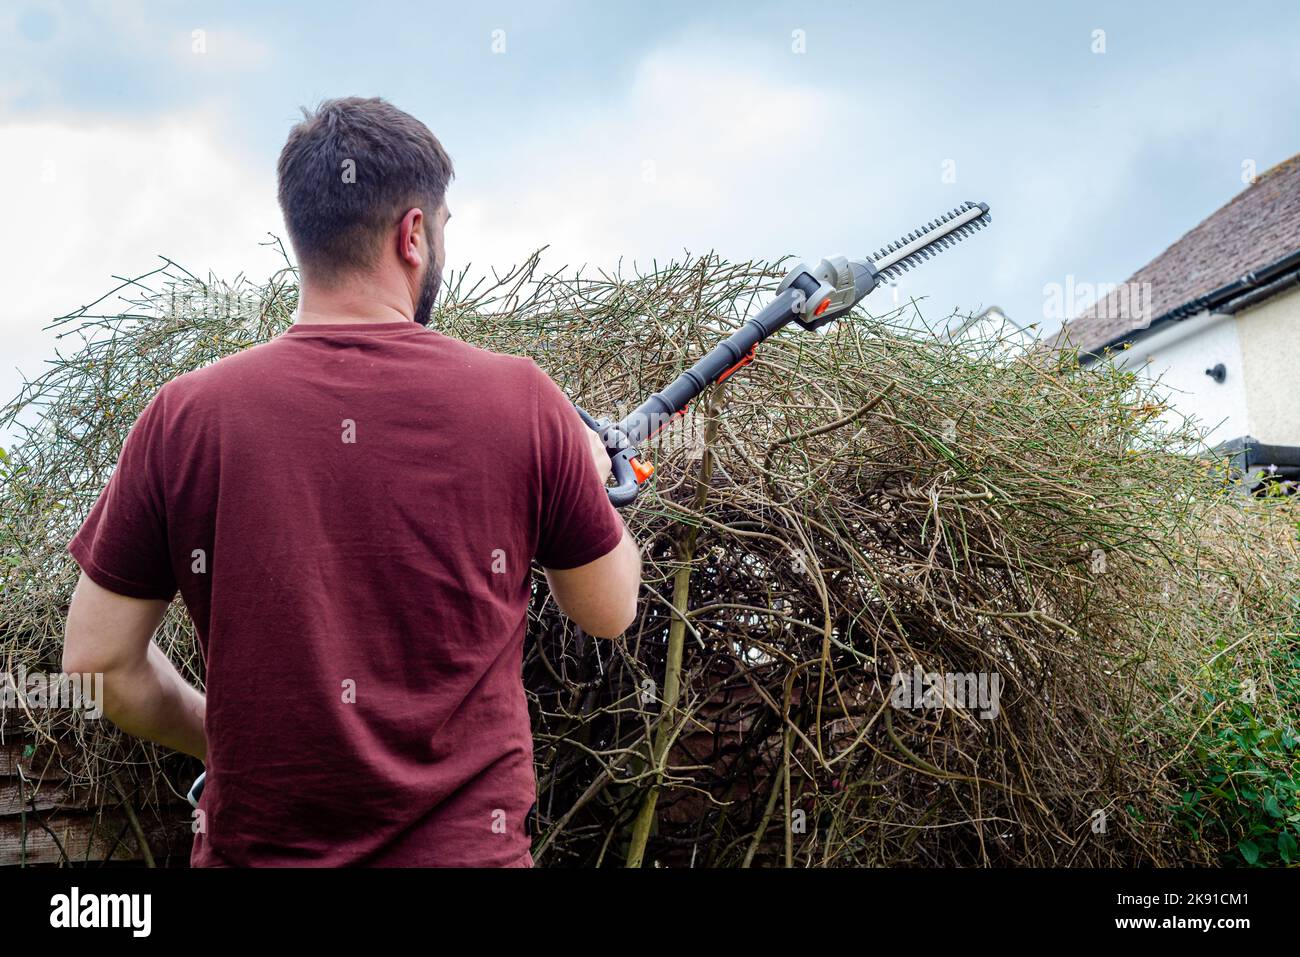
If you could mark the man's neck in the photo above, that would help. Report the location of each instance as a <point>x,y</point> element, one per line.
<point>360,303</point>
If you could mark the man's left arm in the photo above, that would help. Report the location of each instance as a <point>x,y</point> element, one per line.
<point>143,694</point>
<point>125,587</point>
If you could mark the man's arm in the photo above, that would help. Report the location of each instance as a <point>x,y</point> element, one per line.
<point>144,694</point>
<point>600,597</point>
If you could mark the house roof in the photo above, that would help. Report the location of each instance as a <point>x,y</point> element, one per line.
<point>1259,226</point>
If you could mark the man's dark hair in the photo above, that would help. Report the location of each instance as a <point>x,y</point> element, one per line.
<point>348,173</point>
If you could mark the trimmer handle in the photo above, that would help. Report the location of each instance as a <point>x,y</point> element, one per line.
<point>196,789</point>
<point>628,470</point>
<point>627,486</point>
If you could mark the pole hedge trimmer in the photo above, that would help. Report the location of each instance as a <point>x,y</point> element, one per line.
<point>809,295</point>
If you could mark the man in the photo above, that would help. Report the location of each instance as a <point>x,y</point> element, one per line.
<point>349,512</point>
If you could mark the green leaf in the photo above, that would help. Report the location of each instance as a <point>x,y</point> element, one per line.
<point>1286,846</point>
<point>1250,851</point>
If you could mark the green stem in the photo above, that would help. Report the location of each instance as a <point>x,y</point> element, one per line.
<point>645,818</point>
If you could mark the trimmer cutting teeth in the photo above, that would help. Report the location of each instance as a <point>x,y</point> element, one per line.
<point>809,295</point>
<point>950,228</point>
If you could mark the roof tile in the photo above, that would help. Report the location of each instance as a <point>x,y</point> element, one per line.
<point>1260,225</point>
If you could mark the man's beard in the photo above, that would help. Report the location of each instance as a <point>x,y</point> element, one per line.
<point>428,293</point>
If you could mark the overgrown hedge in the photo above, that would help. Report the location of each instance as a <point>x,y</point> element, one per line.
<point>854,506</point>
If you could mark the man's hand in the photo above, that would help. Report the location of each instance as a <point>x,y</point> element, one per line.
<point>599,457</point>
<point>600,596</point>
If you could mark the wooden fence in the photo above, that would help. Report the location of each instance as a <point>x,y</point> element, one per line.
<point>45,819</point>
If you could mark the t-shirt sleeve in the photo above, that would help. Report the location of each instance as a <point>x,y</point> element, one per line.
<point>122,545</point>
<point>578,523</point>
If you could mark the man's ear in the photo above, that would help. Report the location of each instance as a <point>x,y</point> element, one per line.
<point>412,244</point>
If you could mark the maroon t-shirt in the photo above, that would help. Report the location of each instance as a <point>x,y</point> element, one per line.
<point>349,512</point>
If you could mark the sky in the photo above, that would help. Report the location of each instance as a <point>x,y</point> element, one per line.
<point>614,132</point>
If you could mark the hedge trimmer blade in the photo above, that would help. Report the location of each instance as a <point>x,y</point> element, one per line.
<point>948,230</point>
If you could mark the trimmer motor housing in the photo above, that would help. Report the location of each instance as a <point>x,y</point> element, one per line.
<point>841,284</point>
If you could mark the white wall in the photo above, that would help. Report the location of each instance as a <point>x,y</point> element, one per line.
<point>1178,355</point>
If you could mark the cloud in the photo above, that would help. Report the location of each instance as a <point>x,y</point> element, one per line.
<point>734,150</point>
<point>86,203</point>
<point>693,152</point>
